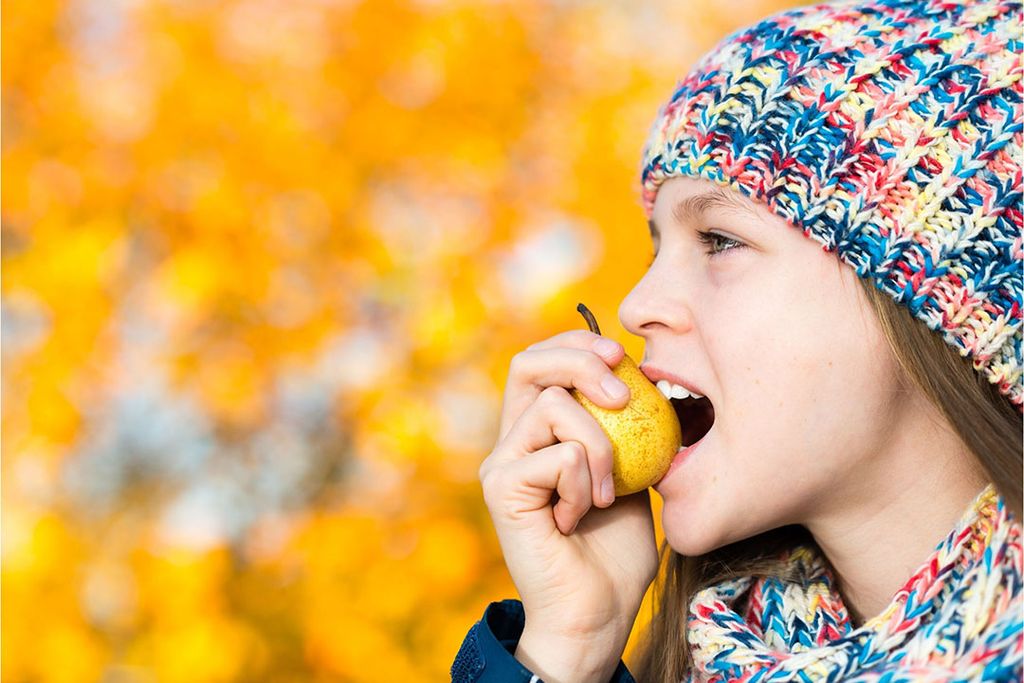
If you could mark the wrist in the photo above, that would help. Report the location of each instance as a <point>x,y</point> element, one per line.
<point>571,659</point>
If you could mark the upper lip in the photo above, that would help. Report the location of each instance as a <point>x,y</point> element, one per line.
<point>654,374</point>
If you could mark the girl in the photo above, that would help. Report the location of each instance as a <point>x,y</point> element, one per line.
<point>834,199</point>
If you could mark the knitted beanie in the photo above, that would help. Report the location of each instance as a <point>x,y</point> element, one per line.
<point>891,132</point>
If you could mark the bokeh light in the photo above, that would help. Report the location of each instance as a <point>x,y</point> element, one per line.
<point>266,263</point>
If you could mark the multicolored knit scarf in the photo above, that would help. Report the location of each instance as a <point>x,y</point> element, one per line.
<point>958,618</point>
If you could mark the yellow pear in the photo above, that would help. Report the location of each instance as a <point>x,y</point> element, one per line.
<point>645,435</point>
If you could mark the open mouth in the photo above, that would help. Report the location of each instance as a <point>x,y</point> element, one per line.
<point>696,415</point>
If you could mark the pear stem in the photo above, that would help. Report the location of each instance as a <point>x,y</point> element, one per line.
<point>589,317</point>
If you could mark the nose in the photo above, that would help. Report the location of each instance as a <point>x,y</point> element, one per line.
<point>656,303</point>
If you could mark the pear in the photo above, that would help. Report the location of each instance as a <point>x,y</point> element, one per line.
<point>645,435</point>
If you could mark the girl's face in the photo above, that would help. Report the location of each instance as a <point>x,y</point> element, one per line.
<point>781,339</point>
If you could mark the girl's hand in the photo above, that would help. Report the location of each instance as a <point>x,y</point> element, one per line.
<point>580,566</point>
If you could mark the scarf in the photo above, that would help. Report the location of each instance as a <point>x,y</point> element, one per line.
<point>959,617</point>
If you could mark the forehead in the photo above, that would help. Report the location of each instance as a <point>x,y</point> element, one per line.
<point>688,199</point>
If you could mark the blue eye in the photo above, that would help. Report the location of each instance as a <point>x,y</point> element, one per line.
<point>712,238</point>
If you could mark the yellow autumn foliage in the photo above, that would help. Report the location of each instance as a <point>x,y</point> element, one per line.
<point>266,263</point>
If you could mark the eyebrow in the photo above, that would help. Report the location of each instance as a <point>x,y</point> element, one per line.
<point>692,208</point>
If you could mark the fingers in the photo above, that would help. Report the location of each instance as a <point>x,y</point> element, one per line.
<point>548,442</point>
<point>557,417</point>
<point>525,485</point>
<point>585,364</point>
<point>582,339</point>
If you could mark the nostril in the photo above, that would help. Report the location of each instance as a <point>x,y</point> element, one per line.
<point>696,415</point>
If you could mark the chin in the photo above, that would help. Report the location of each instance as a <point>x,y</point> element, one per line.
<point>690,541</point>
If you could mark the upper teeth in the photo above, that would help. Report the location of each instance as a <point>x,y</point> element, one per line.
<point>670,390</point>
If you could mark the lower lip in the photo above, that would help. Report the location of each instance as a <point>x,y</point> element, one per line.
<point>682,454</point>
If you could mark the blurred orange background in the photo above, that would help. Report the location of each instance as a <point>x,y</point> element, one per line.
<point>265,265</point>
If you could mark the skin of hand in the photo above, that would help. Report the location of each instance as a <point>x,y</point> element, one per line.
<point>581,565</point>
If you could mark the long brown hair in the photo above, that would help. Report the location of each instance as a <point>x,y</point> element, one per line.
<point>987,423</point>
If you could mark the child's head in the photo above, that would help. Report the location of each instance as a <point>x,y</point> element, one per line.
<point>890,134</point>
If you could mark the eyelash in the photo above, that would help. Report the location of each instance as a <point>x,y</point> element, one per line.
<point>708,239</point>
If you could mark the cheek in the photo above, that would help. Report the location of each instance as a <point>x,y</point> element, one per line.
<point>800,361</point>
<point>756,344</point>
<point>803,329</point>
<point>844,349</point>
<point>833,378</point>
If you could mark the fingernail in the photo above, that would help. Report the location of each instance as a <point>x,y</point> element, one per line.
<point>614,387</point>
<point>606,347</point>
<point>573,528</point>
<point>608,490</point>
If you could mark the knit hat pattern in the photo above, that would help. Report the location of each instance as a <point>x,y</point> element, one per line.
<point>889,132</point>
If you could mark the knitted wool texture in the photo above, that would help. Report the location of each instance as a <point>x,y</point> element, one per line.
<point>891,133</point>
<point>958,618</point>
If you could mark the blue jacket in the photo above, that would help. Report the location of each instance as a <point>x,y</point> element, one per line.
<point>487,653</point>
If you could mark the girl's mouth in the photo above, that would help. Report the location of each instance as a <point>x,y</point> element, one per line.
<point>696,415</point>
